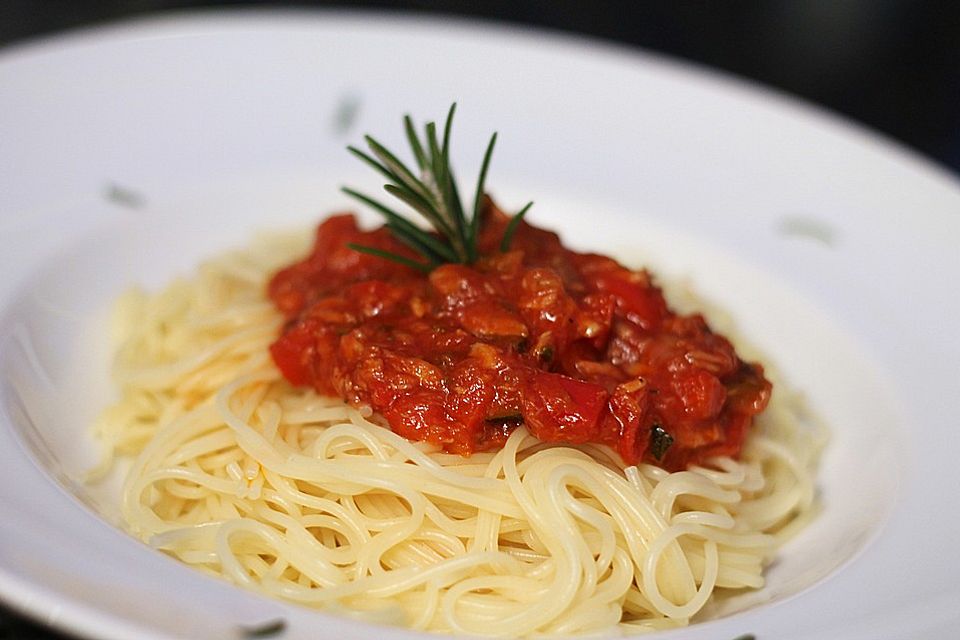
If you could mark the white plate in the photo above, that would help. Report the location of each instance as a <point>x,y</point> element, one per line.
<point>129,153</point>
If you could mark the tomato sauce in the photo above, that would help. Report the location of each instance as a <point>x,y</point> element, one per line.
<point>573,345</point>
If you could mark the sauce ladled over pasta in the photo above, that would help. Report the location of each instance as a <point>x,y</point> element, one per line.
<point>574,345</point>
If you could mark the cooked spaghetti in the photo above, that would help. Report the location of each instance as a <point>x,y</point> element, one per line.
<point>305,498</point>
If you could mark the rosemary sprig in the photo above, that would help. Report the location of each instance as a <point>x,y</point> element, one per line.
<point>432,192</point>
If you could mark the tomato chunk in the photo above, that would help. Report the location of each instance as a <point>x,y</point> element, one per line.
<point>558,408</point>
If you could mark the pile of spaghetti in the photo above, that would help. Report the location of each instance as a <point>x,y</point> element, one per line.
<point>471,429</point>
<point>303,497</point>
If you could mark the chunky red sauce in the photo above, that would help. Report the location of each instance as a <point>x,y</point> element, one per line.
<point>574,345</point>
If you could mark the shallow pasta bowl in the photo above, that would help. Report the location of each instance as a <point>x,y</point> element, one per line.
<point>130,153</point>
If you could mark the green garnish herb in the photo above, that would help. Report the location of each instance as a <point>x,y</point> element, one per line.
<point>265,630</point>
<point>432,192</point>
<point>660,441</point>
<point>123,196</point>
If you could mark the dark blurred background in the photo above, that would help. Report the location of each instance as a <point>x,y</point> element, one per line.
<point>893,65</point>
